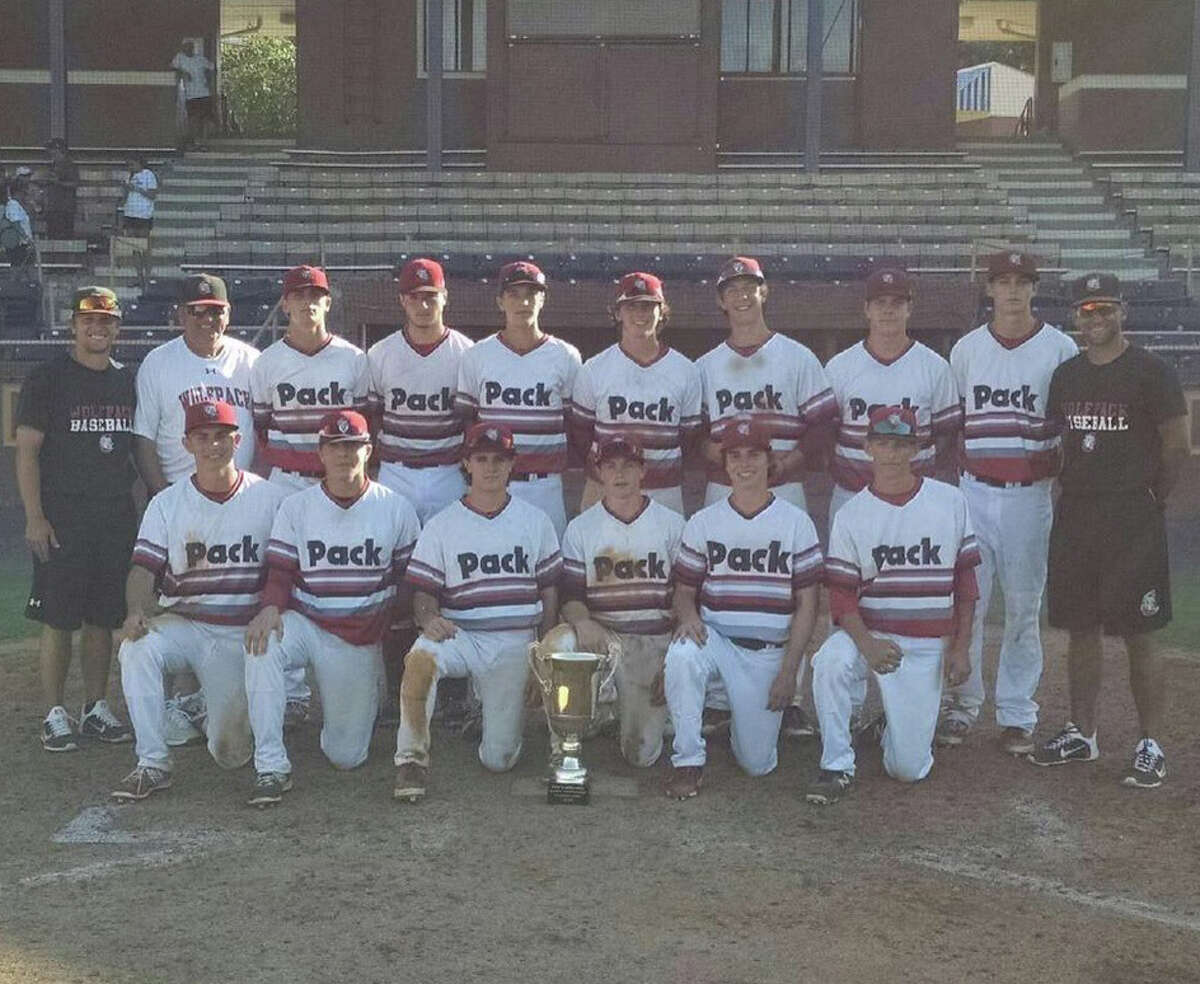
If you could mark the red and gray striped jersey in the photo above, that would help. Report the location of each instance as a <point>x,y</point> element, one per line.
<point>293,391</point>
<point>748,569</point>
<point>1004,386</point>
<point>411,395</point>
<point>623,571</point>
<point>902,559</point>
<point>528,392</point>
<point>918,378</point>
<point>208,553</point>
<point>488,570</point>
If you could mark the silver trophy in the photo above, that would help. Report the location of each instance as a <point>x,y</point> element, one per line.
<point>570,684</point>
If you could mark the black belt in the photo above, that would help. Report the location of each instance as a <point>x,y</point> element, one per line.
<point>997,484</point>
<point>754,643</point>
<point>529,476</point>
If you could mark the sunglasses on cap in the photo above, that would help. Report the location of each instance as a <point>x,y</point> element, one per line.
<point>97,302</point>
<point>1105,308</point>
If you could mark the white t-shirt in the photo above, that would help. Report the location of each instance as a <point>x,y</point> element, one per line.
<point>195,69</point>
<point>14,211</point>
<point>137,205</point>
<point>172,377</point>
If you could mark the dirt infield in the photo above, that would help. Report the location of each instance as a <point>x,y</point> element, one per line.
<point>990,869</point>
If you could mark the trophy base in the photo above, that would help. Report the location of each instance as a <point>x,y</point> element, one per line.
<point>572,792</point>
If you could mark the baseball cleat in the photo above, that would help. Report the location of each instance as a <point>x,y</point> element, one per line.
<point>100,723</point>
<point>684,782</point>
<point>140,783</point>
<point>829,787</point>
<point>950,732</point>
<point>797,724</point>
<point>1069,745</point>
<point>1149,767</point>
<point>180,729</point>
<point>1017,741</point>
<point>58,732</point>
<point>295,713</point>
<point>410,782</point>
<point>269,788</point>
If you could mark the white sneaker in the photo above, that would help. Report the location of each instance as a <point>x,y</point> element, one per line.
<point>180,730</point>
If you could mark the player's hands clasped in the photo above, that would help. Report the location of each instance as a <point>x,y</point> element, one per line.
<point>882,655</point>
<point>258,632</point>
<point>439,629</point>
<point>39,534</point>
<point>783,689</point>
<point>691,628</point>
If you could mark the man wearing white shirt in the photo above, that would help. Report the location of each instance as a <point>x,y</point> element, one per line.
<point>196,73</point>
<point>141,188</point>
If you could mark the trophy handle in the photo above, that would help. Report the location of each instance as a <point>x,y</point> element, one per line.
<point>533,666</point>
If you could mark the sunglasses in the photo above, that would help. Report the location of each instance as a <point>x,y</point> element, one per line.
<point>97,302</point>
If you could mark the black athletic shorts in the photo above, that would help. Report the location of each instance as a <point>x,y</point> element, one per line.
<point>1108,565</point>
<point>84,579</point>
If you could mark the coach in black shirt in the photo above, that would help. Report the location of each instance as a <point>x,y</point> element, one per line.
<point>75,474</point>
<point>1124,425</point>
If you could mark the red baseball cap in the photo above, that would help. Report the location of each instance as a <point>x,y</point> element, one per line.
<point>209,413</point>
<point>640,287</point>
<point>745,432</point>
<point>521,272</point>
<point>300,277</point>
<point>619,446</point>
<point>421,275</point>
<point>740,266</point>
<point>893,421</point>
<point>489,437</point>
<point>889,282</point>
<point>344,425</point>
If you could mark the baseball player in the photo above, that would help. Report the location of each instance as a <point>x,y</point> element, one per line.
<point>757,371</point>
<point>641,389</point>
<point>888,368</point>
<point>484,572</point>
<point>336,553</point>
<point>745,605</point>
<point>196,581</point>
<point>521,378</point>
<point>902,592</point>
<point>618,560</point>
<point>413,379</point>
<point>1124,446</point>
<point>294,384</point>
<point>1011,453</point>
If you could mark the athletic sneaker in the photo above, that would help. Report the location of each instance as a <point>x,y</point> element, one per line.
<point>295,713</point>
<point>180,729</point>
<point>140,783</point>
<point>58,731</point>
<point>797,724</point>
<point>1016,741</point>
<point>829,787</point>
<point>1069,745</point>
<point>951,731</point>
<point>1149,767</point>
<point>866,731</point>
<point>269,788</point>
<point>684,782</point>
<point>410,782</point>
<point>100,723</point>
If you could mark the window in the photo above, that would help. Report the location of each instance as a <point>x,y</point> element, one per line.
<point>603,19</point>
<point>464,37</point>
<point>770,37</point>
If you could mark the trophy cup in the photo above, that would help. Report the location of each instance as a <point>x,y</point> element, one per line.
<point>570,689</point>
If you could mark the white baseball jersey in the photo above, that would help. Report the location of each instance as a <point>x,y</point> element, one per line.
<point>901,558</point>
<point>748,569</point>
<point>293,392</point>
<point>919,379</point>
<point>1004,388</point>
<point>209,553</point>
<point>412,393</point>
<point>488,571</point>
<point>623,571</point>
<point>780,381</point>
<point>655,405</point>
<point>528,393</point>
<point>172,377</point>
<point>344,559</point>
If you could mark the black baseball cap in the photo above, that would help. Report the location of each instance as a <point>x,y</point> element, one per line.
<point>204,288</point>
<point>1102,287</point>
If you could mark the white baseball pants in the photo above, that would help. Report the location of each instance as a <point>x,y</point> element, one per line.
<point>792,492</point>
<point>430,490</point>
<point>747,675</point>
<point>496,662</point>
<point>1013,530</point>
<point>214,653</point>
<point>911,697</point>
<point>349,678</point>
<point>547,495</point>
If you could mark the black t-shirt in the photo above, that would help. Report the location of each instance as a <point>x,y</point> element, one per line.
<point>1110,416</point>
<point>87,419</point>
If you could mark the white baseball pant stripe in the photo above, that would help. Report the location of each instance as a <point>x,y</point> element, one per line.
<point>214,653</point>
<point>547,495</point>
<point>911,697</point>
<point>747,675</point>
<point>1013,530</point>
<point>430,490</point>
<point>496,662</point>
<point>792,492</point>
<point>348,677</point>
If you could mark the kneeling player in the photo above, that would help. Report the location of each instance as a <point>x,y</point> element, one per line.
<point>617,561</point>
<point>337,551</point>
<point>484,574</point>
<point>902,589</point>
<point>753,563</point>
<point>196,582</point>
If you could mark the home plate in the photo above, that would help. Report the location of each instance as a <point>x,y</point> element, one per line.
<point>602,787</point>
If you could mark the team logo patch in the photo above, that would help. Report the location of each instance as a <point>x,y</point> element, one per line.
<point>210,409</point>
<point>106,443</point>
<point>204,287</point>
<point>894,419</point>
<point>343,426</point>
<point>1093,283</point>
<point>422,273</point>
<point>492,434</point>
<point>887,278</point>
<point>639,285</point>
<point>1014,259</point>
<point>743,429</point>
<point>739,268</point>
<point>1089,443</point>
<point>1150,606</point>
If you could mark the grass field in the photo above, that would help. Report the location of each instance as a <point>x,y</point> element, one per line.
<point>14,591</point>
